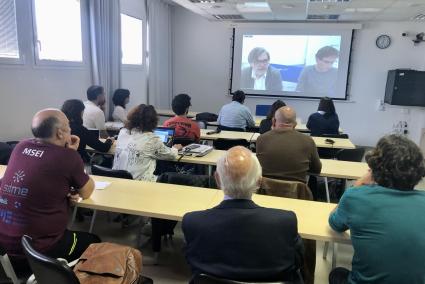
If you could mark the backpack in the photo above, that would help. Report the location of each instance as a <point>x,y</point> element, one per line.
<point>108,263</point>
<point>207,116</point>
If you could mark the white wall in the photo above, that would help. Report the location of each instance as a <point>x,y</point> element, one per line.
<point>201,53</point>
<point>27,88</point>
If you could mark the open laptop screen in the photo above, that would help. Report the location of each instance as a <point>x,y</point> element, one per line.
<point>166,134</point>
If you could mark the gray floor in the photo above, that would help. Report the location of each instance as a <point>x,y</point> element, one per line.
<point>172,266</point>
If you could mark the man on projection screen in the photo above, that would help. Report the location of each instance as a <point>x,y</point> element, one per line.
<point>260,75</point>
<point>321,77</point>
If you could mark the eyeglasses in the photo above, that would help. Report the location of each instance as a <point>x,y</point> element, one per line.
<point>330,62</point>
<point>265,61</point>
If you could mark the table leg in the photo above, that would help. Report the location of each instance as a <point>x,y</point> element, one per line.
<point>210,170</point>
<point>334,249</point>
<point>92,221</point>
<point>74,214</point>
<point>328,199</point>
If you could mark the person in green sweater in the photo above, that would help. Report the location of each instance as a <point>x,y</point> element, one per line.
<point>385,216</point>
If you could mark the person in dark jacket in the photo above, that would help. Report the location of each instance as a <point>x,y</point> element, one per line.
<point>266,124</point>
<point>239,239</point>
<point>325,120</point>
<point>73,110</point>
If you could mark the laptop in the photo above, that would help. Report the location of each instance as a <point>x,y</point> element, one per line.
<point>166,134</point>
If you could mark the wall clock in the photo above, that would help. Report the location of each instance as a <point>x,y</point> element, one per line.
<point>383,41</point>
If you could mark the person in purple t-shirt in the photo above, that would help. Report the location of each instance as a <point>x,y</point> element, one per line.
<point>44,175</point>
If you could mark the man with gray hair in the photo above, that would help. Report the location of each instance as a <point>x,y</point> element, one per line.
<point>259,75</point>
<point>285,153</point>
<point>238,239</point>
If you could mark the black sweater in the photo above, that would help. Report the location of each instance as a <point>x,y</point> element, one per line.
<point>88,138</point>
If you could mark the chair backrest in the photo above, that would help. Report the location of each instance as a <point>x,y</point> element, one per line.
<point>262,110</point>
<point>226,144</point>
<point>208,279</point>
<point>341,135</point>
<point>47,270</point>
<point>7,267</point>
<point>284,188</point>
<point>183,141</point>
<point>107,172</point>
<point>353,155</point>
<point>225,128</point>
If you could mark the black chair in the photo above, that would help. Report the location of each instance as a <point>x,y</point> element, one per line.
<point>47,270</point>
<point>183,141</point>
<point>225,128</point>
<point>208,279</point>
<point>226,144</point>
<point>107,172</point>
<point>353,155</point>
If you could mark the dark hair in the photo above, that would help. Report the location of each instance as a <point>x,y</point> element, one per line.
<point>119,97</point>
<point>46,128</point>
<point>255,53</point>
<point>396,163</point>
<point>73,109</point>
<point>142,117</point>
<point>327,105</point>
<point>275,106</point>
<point>93,92</point>
<point>327,51</point>
<point>238,96</point>
<point>180,103</point>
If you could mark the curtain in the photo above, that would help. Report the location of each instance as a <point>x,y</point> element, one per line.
<point>105,47</point>
<point>159,60</point>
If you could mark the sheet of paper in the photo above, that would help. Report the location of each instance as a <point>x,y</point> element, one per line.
<point>101,184</point>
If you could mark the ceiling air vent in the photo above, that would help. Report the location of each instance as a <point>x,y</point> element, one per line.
<point>229,17</point>
<point>419,17</point>
<point>206,1</point>
<point>322,17</point>
<point>329,1</point>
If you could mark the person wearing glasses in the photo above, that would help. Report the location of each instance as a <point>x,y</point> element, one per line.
<point>321,77</point>
<point>260,75</point>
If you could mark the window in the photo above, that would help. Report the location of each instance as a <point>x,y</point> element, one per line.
<point>9,48</point>
<point>57,27</point>
<point>131,40</point>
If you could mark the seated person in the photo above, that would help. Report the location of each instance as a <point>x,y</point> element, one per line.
<point>235,114</point>
<point>120,99</point>
<point>5,152</point>
<point>325,120</point>
<point>74,109</point>
<point>94,116</point>
<point>285,153</point>
<point>266,124</point>
<point>384,215</point>
<point>138,147</point>
<point>260,75</point>
<point>185,127</point>
<point>45,174</point>
<point>238,239</point>
<point>321,77</point>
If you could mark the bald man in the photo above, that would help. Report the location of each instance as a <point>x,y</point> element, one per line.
<point>238,239</point>
<point>44,176</point>
<point>285,153</point>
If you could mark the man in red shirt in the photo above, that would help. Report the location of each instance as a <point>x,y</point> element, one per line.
<point>44,175</point>
<point>185,127</point>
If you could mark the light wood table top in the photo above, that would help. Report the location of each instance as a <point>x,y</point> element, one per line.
<point>300,127</point>
<point>340,143</point>
<point>170,113</point>
<point>312,216</point>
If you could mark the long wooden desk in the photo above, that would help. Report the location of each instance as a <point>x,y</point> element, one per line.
<point>170,113</point>
<point>252,137</point>
<point>169,201</point>
<point>300,127</point>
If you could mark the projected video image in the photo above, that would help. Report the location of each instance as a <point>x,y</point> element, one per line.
<point>290,63</point>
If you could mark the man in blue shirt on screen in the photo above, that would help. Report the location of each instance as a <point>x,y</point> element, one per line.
<point>260,75</point>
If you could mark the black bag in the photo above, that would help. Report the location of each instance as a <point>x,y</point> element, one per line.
<point>207,116</point>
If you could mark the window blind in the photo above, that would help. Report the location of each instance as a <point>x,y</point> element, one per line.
<point>9,47</point>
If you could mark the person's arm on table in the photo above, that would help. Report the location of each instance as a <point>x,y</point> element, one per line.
<point>87,189</point>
